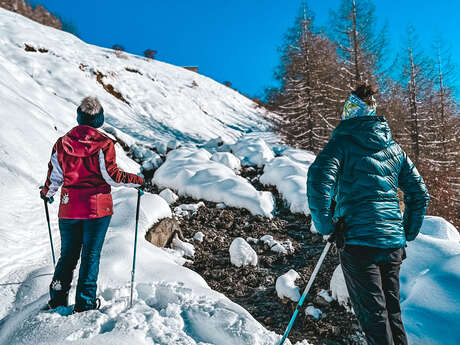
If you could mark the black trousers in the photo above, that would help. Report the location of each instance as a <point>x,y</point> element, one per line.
<point>372,278</point>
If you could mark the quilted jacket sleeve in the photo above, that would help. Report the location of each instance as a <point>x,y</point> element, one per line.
<point>112,174</point>
<point>416,198</point>
<point>321,182</point>
<point>55,176</point>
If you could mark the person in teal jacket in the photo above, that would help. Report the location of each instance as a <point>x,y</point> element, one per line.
<point>361,168</point>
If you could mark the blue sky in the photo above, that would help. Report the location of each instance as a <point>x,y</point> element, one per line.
<point>235,40</point>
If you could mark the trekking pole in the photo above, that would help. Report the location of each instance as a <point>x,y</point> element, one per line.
<point>139,194</point>
<point>304,295</point>
<point>49,227</point>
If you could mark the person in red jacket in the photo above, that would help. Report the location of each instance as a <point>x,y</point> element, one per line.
<point>83,163</point>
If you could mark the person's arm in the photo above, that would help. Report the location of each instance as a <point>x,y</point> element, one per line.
<point>321,181</point>
<point>54,178</point>
<point>112,174</point>
<point>416,198</point>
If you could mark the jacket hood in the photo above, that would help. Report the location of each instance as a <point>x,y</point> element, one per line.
<point>83,141</point>
<point>371,132</point>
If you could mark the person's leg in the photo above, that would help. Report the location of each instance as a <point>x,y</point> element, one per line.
<point>71,241</point>
<point>390,284</point>
<point>364,286</point>
<point>94,231</point>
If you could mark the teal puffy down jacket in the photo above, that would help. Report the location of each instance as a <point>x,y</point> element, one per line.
<point>361,167</point>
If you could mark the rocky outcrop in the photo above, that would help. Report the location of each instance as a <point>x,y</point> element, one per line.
<point>162,233</point>
<point>37,13</point>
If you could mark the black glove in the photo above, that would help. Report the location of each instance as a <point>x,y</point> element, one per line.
<point>338,236</point>
<point>44,197</point>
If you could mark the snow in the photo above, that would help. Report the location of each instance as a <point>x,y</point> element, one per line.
<point>227,159</point>
<point>192,173</point>
<point>184,209</point>
<point>150,159</point>
<point>430,280</point>
<point>314,312</point>
<point>288,173</point>
<point>199,236</point>
<point>169,196</point>
<point>252,151</point>
<point>39,93</point>
<point>241,253</point>
<point>185,249</point>
<point>324,294</point>
<point>276,246</point>
<point>285,286</point>
<point>163,105</point>
<point>339,288</point>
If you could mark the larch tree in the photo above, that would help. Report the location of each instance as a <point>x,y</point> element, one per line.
<point>353,27</point>
<point>309,96</point>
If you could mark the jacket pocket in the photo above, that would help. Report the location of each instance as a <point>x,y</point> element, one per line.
<point>104,205</point>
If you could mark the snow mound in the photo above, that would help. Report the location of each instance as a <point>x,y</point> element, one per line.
<point>169,196</point>
<point>430,280</point>
<point>285,286</point>
<point>288,174</point>
<point>241,253</point>
<point>438,227</point>
<point>252,151</point>
<point>191,172</point>
<point>227,159</point>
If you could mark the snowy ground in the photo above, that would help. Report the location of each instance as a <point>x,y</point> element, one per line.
<point>430,285</point>
<point>39,92</point>
<point>162,106</point>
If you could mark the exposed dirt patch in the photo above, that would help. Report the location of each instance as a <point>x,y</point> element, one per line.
<point>108,87</point>
<point>133,70</point>
<point>29,48</point>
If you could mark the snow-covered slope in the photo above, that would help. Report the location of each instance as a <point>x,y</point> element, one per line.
<point>165,101</point>
<point>39,92</point>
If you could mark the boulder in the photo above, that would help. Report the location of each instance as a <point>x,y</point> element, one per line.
<point>162,233</point>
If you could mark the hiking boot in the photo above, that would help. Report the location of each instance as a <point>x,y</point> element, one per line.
<point>97,305</point>
<point>60,301</point>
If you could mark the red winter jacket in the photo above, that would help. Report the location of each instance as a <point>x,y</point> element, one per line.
<point>83,161</point>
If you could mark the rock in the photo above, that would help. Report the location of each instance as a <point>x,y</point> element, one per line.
<point>162,233</point>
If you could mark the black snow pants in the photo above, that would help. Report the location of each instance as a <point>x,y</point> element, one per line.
<point>372,279</point>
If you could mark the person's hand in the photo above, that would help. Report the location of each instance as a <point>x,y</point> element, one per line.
<point>44,197</point>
